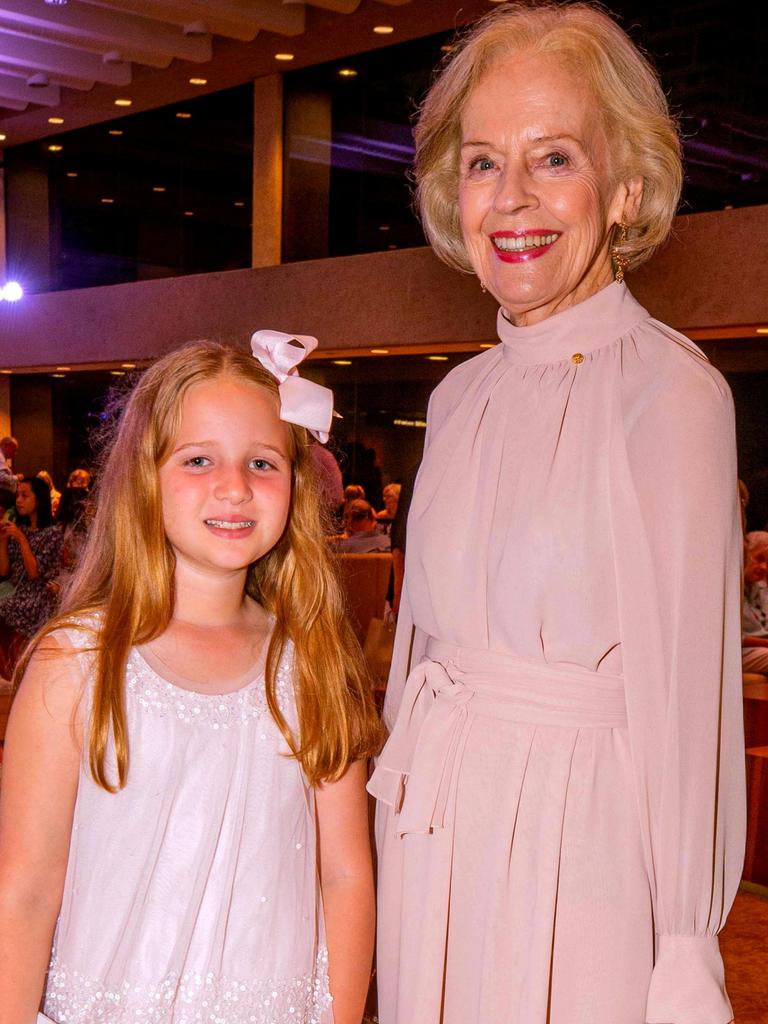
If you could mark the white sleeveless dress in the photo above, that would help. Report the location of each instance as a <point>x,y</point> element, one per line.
<point>191,896</point>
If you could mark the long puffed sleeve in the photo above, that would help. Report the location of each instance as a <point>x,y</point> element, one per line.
<point>678,550</point>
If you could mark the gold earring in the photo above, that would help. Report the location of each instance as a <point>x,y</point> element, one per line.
<point>483,289</point>
<point>620,261</point>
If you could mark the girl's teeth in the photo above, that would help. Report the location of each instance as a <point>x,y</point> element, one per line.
<point>221,524</point>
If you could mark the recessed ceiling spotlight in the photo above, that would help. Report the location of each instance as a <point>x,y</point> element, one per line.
<point>762,330</point>
<point>183,115</point>
<point>116,131</point>
<point>12,292</point>
<point>128,366</point>
<point>383,30</point>
<point>159,188</point>
<point>117,373</point>
<point>59,375</point>
<point>284,56</point>
<point>55,120</point>
<point>63,369</point>
<point>106,200</point>
<point>198,81</point>
<point>189,213</point>
<point>379,351</point>
<point>3,137</point>
<point>71,174</point>
<point>55,148</point>
<point>438,359</point>
<point>488,344</point>
<point>7,372</point>
<point>123,102</point>
<point>342,362</point>
<point>56,3</point>
<point>347,73</point>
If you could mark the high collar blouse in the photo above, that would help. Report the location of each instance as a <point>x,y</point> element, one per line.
<point>577,504</point>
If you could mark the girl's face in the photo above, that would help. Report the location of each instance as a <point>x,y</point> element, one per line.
<point>226,487</point>
<point>26,502</point>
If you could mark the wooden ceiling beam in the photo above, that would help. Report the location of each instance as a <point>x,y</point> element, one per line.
<point>234,19</point>
<point>53,59</point>
<point>81,25</point>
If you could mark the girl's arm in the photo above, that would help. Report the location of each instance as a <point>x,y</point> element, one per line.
<point>27,555</point>
<point>346,880</point>
<point>40,775</point>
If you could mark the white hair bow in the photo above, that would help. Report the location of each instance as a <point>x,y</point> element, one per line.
<point>302,401</point>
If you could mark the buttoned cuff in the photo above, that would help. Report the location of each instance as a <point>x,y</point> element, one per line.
<point>688,984</point>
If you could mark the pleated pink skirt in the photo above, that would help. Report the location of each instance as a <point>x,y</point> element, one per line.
<point>512,888</point>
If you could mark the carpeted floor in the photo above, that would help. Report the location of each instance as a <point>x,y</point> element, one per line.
<point>744,942</point>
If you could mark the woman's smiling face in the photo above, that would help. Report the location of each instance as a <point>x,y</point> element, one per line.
<point>537,201</point>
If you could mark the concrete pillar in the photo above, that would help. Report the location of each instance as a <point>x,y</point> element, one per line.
<point>267,200</point>
<point>307,176</point>
<point>5,405</point>
<point>32,419</point>
<point>28,248</point>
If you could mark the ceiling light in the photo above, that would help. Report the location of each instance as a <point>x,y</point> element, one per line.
<point>198,81</point>
<point>59,376</point>
<point>117,373</point>
<point>123,102</point>
<point>239,202</point>
<point>347,73</point>
<point>71,174</point>
<point>55,148</point>
<point>63,369</point>
<point>383,30</point>
<point>342,362</point>
<point>488,344</point>
<point>107,200</point>
<point>7,372</point>
<point>12,292</point>
<point>158,188</point>
<point>183,115</point>
<point>438,359</point>
<point>189,213</point>
<point>284,56</point>
<point>379,351</point>
<point>762,330</point>
<point>56,3</point>
<point>383,227</point>
<point>55,120</point>
<point>128,366</point>
<point>115,131</point>
<point>3,137</point>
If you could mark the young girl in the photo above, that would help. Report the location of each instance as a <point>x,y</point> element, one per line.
<point>186,752</point>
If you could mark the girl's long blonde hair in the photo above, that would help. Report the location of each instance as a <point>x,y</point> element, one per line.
<point>125,580</point>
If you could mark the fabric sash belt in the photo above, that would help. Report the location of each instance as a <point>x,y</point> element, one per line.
<point>417,771</point>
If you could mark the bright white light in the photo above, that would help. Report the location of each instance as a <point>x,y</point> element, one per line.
<point>12,291</point>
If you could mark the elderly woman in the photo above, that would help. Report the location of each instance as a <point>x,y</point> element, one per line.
<point>562,796</point>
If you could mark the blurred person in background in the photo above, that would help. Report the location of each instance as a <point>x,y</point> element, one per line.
<point>8,448</point>
<point>30,551</point>
<point>55,495</point>
<point>362,533</point>
<point>754,619</point>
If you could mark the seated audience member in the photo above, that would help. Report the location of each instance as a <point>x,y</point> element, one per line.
<point>352,492</point>
<point>30,550</point>
<point>363,534</point>
<point>391,498</point>
<point>73,520</point>
<point>8,448</point>
<point>329,486</point>
<point>79,478</point>
<point>754,621</point>
<point>55,495</point>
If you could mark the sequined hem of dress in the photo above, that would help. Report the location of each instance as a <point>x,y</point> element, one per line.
<point>192,998</point>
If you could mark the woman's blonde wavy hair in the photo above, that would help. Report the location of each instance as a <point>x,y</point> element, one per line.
<point>642,133</point>
<point>125,580</point>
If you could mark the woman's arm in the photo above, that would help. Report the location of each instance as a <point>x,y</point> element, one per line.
<point>40,775</point>
<point>346,880</point>
<point>28,558</point>
<point>754,641</point>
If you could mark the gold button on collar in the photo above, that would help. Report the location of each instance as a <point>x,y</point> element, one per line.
<point>577,358</point>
